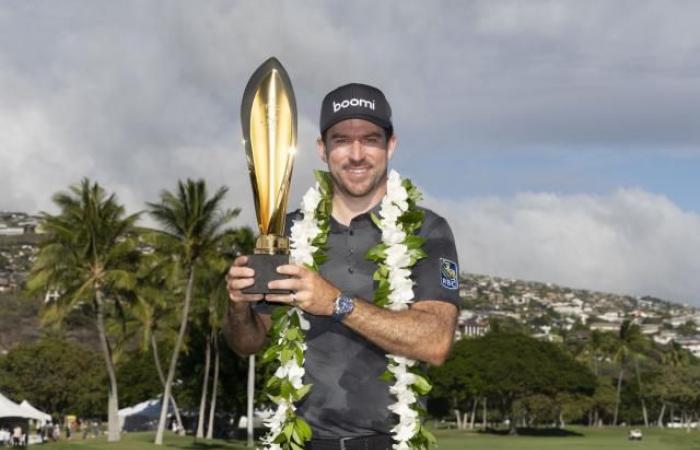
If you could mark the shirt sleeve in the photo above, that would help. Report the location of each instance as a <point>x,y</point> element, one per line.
<point>436,276</point>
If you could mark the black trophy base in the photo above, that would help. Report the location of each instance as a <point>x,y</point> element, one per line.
<point>265,267</point>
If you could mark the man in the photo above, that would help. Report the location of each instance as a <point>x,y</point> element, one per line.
<point>349,336</point>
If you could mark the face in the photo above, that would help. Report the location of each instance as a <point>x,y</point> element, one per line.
<point>357,152</point>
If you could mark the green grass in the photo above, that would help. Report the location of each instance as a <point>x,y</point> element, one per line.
<point>581,438</point>
<point>143,441</point>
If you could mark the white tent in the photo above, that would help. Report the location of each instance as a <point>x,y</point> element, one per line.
<point>142,417</point>
<point>35,413</point>
<point>8,408</point>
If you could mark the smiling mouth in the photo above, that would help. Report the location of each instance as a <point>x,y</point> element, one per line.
<point>357,171</point>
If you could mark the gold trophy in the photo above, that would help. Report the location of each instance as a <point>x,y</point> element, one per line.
<point>269,120</point>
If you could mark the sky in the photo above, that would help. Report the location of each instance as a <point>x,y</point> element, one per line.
<point>560,139</point>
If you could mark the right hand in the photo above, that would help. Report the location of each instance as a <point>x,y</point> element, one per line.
<point>240,277</point>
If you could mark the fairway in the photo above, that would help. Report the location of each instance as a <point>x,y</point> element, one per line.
<point>583,439</point>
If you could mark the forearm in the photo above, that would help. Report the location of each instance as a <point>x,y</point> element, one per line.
<point>414,333</point>
<point>244,329</point>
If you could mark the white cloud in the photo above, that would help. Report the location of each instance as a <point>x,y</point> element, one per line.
<point>137,95</point>
<point>630,241</point>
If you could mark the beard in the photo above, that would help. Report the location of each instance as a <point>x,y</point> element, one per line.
<point>374,180</point>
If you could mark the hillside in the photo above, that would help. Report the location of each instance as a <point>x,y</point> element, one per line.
<point>549,311</point>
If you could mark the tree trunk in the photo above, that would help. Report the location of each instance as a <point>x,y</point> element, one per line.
<point>458,415</point>
<point>205,390</point>
<point>660,421</point>
<point>251,395</point>
<point>483,416</point>
<point>175,355</point>
<point>641,396</point>
<point>113,432</point>
<point>159,369</point>
<point>617,399</point>
<point>214,390</point>
<point>473,418</point>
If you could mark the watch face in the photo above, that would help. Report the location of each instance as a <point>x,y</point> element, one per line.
<point>343,306</point>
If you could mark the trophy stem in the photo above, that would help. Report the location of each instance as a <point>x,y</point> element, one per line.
<point>271,244</point>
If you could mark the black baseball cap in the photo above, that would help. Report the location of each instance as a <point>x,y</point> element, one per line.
<point>356,101</point>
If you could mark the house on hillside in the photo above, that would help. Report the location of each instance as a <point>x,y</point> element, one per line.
<point>605,326</point>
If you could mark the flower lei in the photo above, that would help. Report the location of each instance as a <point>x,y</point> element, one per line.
<point>400,249</point>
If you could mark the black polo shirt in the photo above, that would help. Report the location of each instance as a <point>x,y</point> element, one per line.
<point>347,398</point>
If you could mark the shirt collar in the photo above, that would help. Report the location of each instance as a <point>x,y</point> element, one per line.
<point>363,220</point>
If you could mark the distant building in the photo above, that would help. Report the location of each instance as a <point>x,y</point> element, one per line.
<point>474,326</point>
<point>605,326</point>
<point>691,344</point>
<point>11,231</point>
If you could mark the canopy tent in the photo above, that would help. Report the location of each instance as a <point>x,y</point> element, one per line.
<point>8,408</point>
<point>35,413</point>
<point>142,417</point>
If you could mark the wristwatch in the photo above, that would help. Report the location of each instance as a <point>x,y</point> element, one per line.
<point>343,306</point>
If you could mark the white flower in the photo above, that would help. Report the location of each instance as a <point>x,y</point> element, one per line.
<point>397,259</point>
<point>304,324</point>
<point>392,235</point>
<point>277,420</point>
<point>389,213</point>
<point>397,256</point>
<point>311,199</point>
<point>291,371</point>
<point>402,361</point>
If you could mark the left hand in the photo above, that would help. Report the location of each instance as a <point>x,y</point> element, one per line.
<point>311,292</point>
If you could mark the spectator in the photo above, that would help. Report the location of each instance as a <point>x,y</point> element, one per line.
<point>4,437</point>
<point>17,436</point>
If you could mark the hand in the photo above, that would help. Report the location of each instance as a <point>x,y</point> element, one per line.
<point>240,277</point>
<point>310,291</point>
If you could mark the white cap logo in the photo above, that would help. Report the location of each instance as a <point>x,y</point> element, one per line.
<point>353,102</point>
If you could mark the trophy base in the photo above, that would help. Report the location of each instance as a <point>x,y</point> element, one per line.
<point>265,267</point>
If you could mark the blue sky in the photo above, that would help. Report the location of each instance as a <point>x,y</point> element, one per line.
<point>560,138</point>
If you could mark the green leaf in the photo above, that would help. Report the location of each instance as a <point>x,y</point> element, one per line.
<point>302,391</point>
<point>421,385</point>
<point>377,221</point>
<point>285,355</point>
<point>387,376</point>
<point>414,242</point>
<point>430,437</point>
<point>376,253</point>
<point>272,381</point>
<point>271,353</point>
<point>288,430</point>
<point>293,333</point>
<point>299,354</point>
<point>303,428</point>
<point>286,389</point>
<point>279,312</point>
<point>324,181</point>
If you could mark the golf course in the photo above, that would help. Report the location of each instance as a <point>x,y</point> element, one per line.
<point>578,438</point>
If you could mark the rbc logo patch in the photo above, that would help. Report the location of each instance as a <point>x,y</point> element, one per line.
<point>449,274</point>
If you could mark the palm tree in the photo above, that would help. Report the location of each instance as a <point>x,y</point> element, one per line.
<point>152,317</point>
<point>630,345</point>
<point>215,305</point>
<point>89,257</point>
<point>673,361</point>
<point>193,224</point>
<point>595,350</point>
